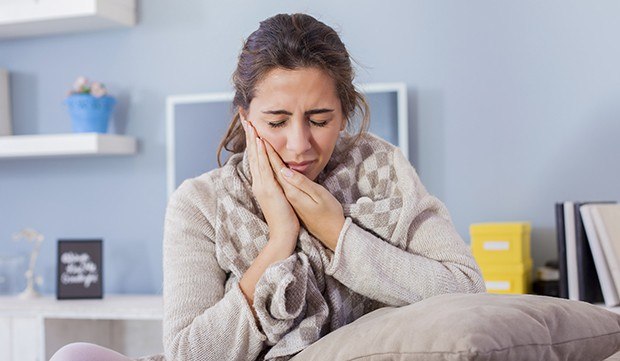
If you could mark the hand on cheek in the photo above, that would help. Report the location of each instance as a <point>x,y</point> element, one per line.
<point>279,215</point>
<point>318,209</point>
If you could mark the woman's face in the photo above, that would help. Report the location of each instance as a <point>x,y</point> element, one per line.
<point>299,113</point>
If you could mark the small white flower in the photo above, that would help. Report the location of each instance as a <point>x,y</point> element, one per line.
<point>80,84</point>
<point>97,90</point>
<point>83,86</point>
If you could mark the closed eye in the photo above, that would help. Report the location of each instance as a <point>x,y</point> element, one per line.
<point>315,123</point>
<point>318,123</point>
<point>281,123</point>
<point>277,124</point>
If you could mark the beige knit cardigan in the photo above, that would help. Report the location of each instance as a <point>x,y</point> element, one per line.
<point>390,256</point>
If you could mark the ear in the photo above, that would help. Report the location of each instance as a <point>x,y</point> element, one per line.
<point>344,124</point>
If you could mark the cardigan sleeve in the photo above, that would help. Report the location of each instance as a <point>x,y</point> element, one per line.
<point>201,321</point>
<point>434,261</point>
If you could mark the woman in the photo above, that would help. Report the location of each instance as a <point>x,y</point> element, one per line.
<point>305,228</point>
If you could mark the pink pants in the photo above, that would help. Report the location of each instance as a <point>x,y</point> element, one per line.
<point>82,351</point>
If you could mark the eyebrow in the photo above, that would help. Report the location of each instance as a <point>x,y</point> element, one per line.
<point>309,112</point>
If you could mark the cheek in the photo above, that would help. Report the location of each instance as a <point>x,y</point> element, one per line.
<point>326,141</point>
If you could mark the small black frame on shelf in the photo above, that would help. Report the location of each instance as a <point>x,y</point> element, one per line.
<point>79,269</point>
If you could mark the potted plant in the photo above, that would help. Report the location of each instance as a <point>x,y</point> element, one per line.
<point>90,106</point>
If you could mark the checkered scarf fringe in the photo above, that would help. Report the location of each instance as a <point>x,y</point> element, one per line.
<point>295,301</point>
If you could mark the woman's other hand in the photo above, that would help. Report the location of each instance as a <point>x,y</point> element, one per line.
<point>318,209</point>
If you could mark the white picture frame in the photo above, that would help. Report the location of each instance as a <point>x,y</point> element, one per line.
<point>395,93</point>
<point>5,104</point>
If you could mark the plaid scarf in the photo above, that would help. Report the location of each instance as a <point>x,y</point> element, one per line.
<point>295,300</point>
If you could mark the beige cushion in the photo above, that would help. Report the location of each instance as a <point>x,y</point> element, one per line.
<point>476,327</point>
<point>614,357</point>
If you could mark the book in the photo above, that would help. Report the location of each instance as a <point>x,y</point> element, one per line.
<point>571,251</point>
<point>5,104</point>
<point>561,244</point>
<point>606,219</point>
<point>587,276</point>
<point>608,288</point>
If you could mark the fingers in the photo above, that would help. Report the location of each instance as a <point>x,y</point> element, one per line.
<point>274,158</point>
<point>294,184</point>
<point>301,182</point>
<point>250,141</point>
<point>261,159</point>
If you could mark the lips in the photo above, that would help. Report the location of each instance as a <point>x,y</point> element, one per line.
<point>300,167</point>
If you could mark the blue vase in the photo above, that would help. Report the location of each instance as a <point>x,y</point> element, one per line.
<point>90,114</point>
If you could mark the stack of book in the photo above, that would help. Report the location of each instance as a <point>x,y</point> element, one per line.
<point>502,251</point>
<point>588,238</point>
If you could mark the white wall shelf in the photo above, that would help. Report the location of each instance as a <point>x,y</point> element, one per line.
<point>62,145</point>
<point>23,18</point>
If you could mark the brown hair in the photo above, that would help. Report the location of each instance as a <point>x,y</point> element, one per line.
<point>291,42</point>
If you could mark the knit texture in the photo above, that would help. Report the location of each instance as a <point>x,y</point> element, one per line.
<point>397,247</point>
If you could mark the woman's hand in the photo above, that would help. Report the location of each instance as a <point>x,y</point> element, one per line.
<point>280,216</point>
<point>319,210</point>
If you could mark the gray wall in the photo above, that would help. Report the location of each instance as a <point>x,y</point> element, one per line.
<point>513,106</point>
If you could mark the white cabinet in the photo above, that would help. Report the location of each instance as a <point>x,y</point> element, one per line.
<point>22,18</point>
<point>33,330</point>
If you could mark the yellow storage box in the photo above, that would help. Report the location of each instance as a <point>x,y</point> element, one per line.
<point>512,279</point>
<point>501,242</point>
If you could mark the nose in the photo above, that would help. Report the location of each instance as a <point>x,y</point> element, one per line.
<point>298,140</point>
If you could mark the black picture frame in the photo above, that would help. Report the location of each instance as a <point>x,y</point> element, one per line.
<point>79,269</point>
